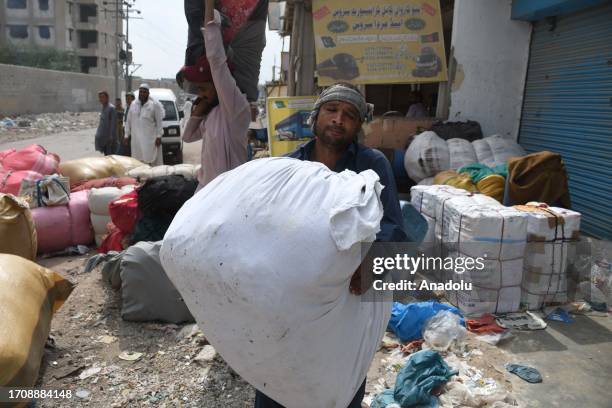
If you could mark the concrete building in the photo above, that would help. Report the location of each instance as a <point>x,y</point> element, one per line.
<point>86,27</point>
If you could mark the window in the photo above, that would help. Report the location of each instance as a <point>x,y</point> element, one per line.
<point>43,5</point>
<point>44,32</point>
<point>70,8</point>
<point>169,110</point>
<point>16,4</point>
<point>70,33</point>
<point>105,38</point>
<point>18,31</point>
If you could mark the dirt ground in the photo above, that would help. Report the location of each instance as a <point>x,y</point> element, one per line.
<point>90,335</point>
<point>34,126</point>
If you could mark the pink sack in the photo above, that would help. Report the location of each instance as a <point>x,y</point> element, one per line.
<point>5,153</point>
<point>10,181</point>
<point>34,158</point>
<point>82,231</point>
<point>62,226</point>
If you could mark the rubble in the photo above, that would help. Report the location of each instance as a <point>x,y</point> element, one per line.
<point>31,126</point>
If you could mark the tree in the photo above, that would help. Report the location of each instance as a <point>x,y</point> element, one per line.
<point>39,57</point>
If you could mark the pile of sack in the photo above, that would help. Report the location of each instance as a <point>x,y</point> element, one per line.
<point>123,217</point>
<point>429,154</point>
<point>145,172</point>
<point>30,163</point>
<point>92,168</point>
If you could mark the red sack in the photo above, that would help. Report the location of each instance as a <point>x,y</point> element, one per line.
<point>103,182</point>
<point>10,181</point>
<point>116,240</point>
<point>124,212</point>
<point>34,158</point>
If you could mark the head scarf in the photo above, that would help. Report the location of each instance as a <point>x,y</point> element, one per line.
<point>342,93</point>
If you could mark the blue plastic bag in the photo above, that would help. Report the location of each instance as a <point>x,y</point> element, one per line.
<point>407,321</point>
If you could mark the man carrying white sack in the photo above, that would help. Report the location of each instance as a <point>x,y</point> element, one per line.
<point>144,128</point>
<point>336,122</point>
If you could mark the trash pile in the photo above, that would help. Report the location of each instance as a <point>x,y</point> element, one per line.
<point>27,126</point>
<point>434,358</point>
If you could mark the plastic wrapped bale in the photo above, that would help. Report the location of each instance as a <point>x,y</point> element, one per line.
<point>483,151</point>
<point>29,295</point>
<point>503,149</point>
<point>127,163</point>
<point>99,200</point>
<point>426,156</point>
<point>146,172</point>
<point>32,158</point>
<point>146,292</point>
<point>17,228</point>
<point>263,256</point>
<point>62,226</point>
<point>477,226</point>
<point>461,153</point>
<point>10,180</point>
<point>551,232</point>
<point>90,168</point>
<point>162,197</point>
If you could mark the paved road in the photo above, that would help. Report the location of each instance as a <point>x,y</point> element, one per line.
<point>77,144</point>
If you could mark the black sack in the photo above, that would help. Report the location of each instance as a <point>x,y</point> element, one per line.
<point>469,130</point>
<point>162,197</point>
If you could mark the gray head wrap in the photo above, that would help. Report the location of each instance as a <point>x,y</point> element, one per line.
<point>342,93</point>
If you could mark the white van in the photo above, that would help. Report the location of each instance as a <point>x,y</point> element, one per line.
<point>172,144</point>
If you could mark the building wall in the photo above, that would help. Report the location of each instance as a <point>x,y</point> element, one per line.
<point>32,90</point>
<point>491,53</point>
<point>61,18</point>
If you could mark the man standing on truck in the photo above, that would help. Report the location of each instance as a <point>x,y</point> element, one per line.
<point>106,134</point>
<point>144,126</point>
<point>221,114</point>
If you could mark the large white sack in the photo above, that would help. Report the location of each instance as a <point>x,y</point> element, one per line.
<point>100,198</point>
<point>483,151</point>
<point>99,223</point>
<point>461,153</point>
<point>263,257</point>
<point>426,156</point>
<point>146,172</point>
<point>503,149</point>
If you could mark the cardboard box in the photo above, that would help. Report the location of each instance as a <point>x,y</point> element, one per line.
<point>394,132</point>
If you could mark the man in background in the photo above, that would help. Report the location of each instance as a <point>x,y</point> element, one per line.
<point>120,126</point>
<point>145,128</point>
<point>106,134</point>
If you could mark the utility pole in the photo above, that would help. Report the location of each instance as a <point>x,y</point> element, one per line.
<point>128,79</point>
<point>117,48</point>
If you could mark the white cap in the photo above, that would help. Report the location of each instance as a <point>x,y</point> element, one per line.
<point>144,86</point>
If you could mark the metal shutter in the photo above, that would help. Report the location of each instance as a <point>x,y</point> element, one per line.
<point>568,107</point>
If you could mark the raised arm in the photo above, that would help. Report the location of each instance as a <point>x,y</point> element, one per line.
<point>231,100</point>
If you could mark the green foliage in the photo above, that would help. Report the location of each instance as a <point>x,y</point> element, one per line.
<point>40,57</point>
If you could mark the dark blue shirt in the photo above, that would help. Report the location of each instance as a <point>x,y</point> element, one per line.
<point>359,158</point>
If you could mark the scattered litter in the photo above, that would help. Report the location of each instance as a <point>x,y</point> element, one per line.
<point>106,339</point>
<point>527,373</point>
<point>81,393</point>
<point>207,354</point>
<point>424,371</point>
<point>189,331</point>
<point>560,315</point>
<point>494,338</point>
<point>90,372</point>
<point>130,355</point>
<point>483,324</point>
<point>412,347</point>
<point>67,371</point>
<point>389,342</point>
<point>521,321</point>
<point>408,320</point>
<point>8,123</point>
<point>443,330</point>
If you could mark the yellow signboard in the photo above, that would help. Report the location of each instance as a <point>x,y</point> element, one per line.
<point>287,123</point>
<point>366,42</point>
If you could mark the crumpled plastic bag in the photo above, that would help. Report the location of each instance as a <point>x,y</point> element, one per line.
<point>444,329</point>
